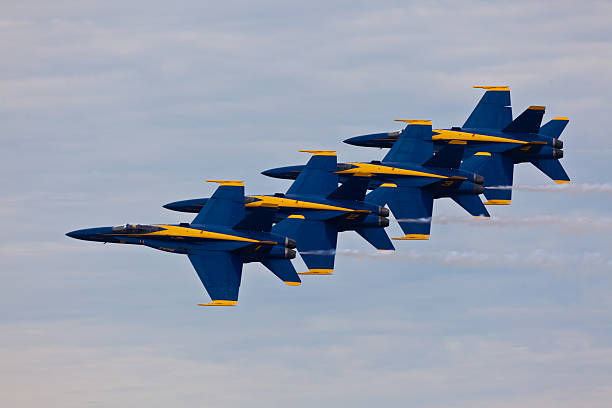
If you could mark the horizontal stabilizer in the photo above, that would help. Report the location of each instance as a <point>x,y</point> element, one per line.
<point>317,177</point>
<point>414,145</point>
<point>284,270</point>
<point>412,208</point>
<point>449,157</point>
<point>225,207</point>
<point>471,204</point>
<point>553,169</point>
<point>554,127</point>
<point>493,110</point>
<point>527,122</point>
<point>381,195</point>
<point>354,189</point>
<point>377,237</point>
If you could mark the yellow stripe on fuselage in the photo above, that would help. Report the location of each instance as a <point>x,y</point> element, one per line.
<point>289,203</point>
<point>379,169</point>
<point>183,232</point>
<point>442,134</point>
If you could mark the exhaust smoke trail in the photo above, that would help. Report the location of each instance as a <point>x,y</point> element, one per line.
<point>539,258</point>
<point>571,188</point>
<point>573,223</point>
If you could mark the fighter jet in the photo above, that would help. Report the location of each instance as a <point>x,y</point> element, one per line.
<point>420,177</point>
<point>495,143</point>
<point>327,209</point>
<point>220,239</point>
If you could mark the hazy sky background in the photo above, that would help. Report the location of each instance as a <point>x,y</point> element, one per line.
<point>110,109</point>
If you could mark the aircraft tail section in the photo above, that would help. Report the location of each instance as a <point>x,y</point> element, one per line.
<point>225,207</point>
<point>449,157</point>
<point>527,122</point>
<point>290,226</point>
<point>284,270</point>
<point>493,110</point>
<point>553,169</point>
<point>258,218</point>
<point>414,145</point>
<point>554,127</point>
<point>377,237</point>
<point>382,195</point>
<point>412,208</point>
<point>317,177</point>
<point>354,189</point>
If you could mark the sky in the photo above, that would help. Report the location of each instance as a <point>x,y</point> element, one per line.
<point>110,109</point>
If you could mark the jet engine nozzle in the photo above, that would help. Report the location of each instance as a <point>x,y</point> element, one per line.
<point>557,153</point>
<point>478,189</point>
<point>557,144</point>
<point>478,179</point>
<point>383,211</point>
<point>383,222</point>
<point>290,243</point>
<point>289,253</point>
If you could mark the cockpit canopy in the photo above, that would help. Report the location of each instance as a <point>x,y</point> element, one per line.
<point>136,229</point>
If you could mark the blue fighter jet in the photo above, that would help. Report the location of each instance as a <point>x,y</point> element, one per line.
<point>220,239</point>
<point>495,143</point>
<point>327,208</point>
<point>420,177</point>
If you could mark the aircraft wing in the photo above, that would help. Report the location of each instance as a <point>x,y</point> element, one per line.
<point>412,208</point>
<point>414,145</point>
<point>493,111</point>
<point>316,242</point>
<point>225,207</point>
<point>220,272</point>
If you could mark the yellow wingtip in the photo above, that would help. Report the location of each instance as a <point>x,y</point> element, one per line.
<point>317,272</point>
<point>493,88</point>
<point>562,181</point>
<point>390,185</point>
<point>320,152</point>
<point>412,237</point>
<point>414,121</point>
<point>227,182</point>
<point>293,283</point>
<point>498,202</point>
<point>560,118</point>
<point>537,108</point>
<point>220,303</point>
<point>298,216</point>
<point>482,154</point>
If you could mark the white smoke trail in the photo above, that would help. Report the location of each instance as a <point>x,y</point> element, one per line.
<point>568,222</point>
<point>571,188</point>
<point>582,262</point>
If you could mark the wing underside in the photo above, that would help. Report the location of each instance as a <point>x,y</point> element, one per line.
<point>220,273</point>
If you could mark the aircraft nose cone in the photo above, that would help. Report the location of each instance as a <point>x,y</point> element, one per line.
<point>269,173</point>
<point>77,234</point>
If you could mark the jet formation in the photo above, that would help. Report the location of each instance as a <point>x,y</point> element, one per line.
<point>328,197</point>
